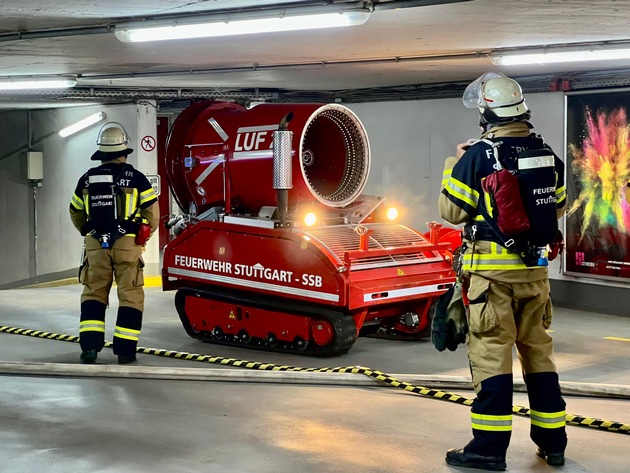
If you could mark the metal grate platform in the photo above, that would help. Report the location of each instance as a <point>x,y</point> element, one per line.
<point>342,238</point>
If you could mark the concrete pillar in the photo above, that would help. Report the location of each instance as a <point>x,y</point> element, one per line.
<point>146,152</point>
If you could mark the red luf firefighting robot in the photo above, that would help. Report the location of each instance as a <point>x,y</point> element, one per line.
<point>277,247</point>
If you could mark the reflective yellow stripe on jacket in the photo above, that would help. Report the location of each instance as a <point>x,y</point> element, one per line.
<point>77,203</point>
<point>497,258</point>
<point>561,195</point>
<point>459,190</point>
<point>147,195</point>
<point>131,203</point>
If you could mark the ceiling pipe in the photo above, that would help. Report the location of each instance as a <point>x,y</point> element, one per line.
<point>396,4</point>
<point>259,67</point>
<point>55,33</point>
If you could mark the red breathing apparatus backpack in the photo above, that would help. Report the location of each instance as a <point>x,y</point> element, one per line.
<point>507,205</point>
<point>523,201</point>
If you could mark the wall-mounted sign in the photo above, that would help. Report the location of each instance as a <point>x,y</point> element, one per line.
<point>148,143</point>
<point>154,180</point>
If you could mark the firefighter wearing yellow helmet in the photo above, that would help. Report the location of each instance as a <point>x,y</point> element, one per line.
<point>505,270</point>
<point>115,207</point>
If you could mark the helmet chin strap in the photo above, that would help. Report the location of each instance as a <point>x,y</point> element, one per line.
<point>484,124</point>
<point>488,119</point>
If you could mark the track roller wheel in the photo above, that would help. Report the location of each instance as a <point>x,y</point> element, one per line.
<point>243,336</point>
<point>218,333</point>
<point>323,332</point>
<point>300,343</point>
<point>271,339</point>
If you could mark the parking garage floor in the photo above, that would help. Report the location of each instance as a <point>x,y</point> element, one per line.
<point>174,415</point>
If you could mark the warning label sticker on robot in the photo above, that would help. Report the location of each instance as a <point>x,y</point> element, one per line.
<point>257,271</point>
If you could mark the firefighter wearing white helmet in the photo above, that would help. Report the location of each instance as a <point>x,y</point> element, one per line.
<point>504,270</point>
<point>113,139</point>
<point>115,207</point>
<point>498,98</point>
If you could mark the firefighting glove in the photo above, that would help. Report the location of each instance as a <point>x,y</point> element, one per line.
<point>439,324</point>
<point>457,325</point>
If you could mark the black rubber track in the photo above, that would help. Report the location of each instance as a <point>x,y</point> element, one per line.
<point>343,324</point>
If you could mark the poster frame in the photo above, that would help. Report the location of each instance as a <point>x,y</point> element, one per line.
<point>583,275</point>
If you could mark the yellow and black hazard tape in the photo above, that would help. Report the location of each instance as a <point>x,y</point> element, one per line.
<point>580,421</point>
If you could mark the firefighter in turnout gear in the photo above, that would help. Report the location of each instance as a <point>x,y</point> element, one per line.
<point>115,207</point>
<point>505,267</point>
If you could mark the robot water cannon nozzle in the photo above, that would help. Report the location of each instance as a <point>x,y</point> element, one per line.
<point>221,153</point>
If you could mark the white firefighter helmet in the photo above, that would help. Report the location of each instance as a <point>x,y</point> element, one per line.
<point>112,142</point>
<point>498,93</point>
<point>112,138</point>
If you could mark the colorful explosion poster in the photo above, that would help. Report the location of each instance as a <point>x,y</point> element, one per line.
<point>597,232</point>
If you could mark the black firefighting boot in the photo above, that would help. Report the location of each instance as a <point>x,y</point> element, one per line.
<point>553,459</point>
<point>461,457</point>
<point>88,357</point>
<point>126,359</point>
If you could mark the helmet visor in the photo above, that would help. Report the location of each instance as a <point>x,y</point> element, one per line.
<point>473,95</point>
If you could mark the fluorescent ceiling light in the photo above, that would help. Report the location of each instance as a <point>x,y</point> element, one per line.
<point>82,124</point>
<point>245,26</point>
<point>558,56</point>
<point>29,84</point>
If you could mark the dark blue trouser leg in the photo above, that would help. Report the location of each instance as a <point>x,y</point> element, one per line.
<point>127,332</point>
<point>548,414</point>
<point>491,417</point>
<point>92,325</point>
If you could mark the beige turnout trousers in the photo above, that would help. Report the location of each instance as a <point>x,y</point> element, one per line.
<point>122,263</point>
<point>506,314</point>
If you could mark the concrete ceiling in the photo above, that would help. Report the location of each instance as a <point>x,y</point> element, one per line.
<point>419,45</point>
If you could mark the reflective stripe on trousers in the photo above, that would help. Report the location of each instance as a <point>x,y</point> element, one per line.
<point>91,326</point>
<point>491,423</point>
<point>126,333</point>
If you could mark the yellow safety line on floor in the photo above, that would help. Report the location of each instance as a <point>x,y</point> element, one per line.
<point>56,283</point>
<point>153,281</point>
<point>571,419</point>
<point>617,339</point>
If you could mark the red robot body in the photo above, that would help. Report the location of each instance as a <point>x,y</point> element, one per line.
<point>246,268</point>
